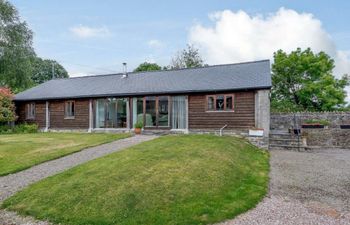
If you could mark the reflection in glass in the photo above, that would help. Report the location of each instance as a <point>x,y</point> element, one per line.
<point>220,103</point>
<point>163,114</point>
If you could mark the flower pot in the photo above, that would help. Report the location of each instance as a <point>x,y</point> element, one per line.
<point>137,130</point>
<point>313,126</point>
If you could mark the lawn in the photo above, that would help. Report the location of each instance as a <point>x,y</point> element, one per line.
<point>21,151</point>
<point>190,179</point>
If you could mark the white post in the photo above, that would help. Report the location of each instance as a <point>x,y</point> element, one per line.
<point>187,128</point>
<point>47,117</point>
<point>90,116</point>
<point>128,114</point>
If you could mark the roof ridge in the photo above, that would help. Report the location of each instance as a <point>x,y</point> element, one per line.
<point>154,71</point>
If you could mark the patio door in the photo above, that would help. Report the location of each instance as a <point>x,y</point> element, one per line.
<point>111,113</point>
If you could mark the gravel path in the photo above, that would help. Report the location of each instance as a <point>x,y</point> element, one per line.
<point>310,188</point>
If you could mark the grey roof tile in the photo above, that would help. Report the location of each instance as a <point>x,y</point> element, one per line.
<point>249,75</point>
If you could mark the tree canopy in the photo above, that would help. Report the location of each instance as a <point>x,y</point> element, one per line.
<point>42,70</point>
<point>16,52</point>
<point>303,80</point>
<point>146,66</point>
<point>18,62</point>
<point>187,58</point>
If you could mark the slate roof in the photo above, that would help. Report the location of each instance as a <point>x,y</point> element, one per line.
<point>228,77</point>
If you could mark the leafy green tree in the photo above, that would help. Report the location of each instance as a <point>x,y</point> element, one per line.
<point>303,80</point>
<point>42,70</point>
<point>147,67</point>
<point>7,107</point>
<point>187,58</point>
<point>16,52</point>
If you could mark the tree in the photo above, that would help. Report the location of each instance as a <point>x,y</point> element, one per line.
<point>147,67</point>
<point>42,70</point>
<point>7,107</point>
<point>187,58</point>
<point>16,52</point>
<point>303,80</point>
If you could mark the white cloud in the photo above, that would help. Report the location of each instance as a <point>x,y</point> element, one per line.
<point>238,36</point>
<point>156,44</point>
<point>82,31</point>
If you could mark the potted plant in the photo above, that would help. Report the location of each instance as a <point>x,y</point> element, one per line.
<point>315,123</point>
<point>138,127</point>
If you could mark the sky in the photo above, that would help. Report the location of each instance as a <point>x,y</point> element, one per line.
<point>96,37</point>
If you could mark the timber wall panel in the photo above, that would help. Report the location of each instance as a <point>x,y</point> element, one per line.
<point>40,115</point>
<point>242,117</point>
<point>80,121</point>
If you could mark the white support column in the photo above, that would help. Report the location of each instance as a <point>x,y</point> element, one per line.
<point>262,110</point>
<point>47,117</point>
<point>128,114</point>
<point>90,116</point>
<point>187,128</point>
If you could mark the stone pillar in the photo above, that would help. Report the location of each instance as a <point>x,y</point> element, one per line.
<point>262,110</point>
<point>90,116</point>
<point>47,117</point>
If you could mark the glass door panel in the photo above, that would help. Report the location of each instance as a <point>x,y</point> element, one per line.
<point>100,113</point>
<point>137,110</point>
<point>179,112</point>
<point>121,115</point>
<point>163,111</point>
<point>151,112</point>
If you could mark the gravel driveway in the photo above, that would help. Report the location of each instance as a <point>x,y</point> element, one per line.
<point>305,188</point>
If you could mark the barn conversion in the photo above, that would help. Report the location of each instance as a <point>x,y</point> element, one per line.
<point>189,100</point>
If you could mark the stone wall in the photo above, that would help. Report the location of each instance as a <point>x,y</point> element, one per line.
<point>330,136</point>
<point>283,121</point>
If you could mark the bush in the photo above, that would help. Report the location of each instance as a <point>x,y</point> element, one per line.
<point>19,129</point>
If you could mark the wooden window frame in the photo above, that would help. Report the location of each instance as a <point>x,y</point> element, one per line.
<point>215,99</point>
<point>29,116</point>
<point>65,110</point>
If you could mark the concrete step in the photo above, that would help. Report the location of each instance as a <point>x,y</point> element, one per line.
<point>280,141</point>
<point>288,147</point>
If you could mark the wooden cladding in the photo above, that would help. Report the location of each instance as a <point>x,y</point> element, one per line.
<point>39,109</point>
<point>243,115</point>
<point>59,120</point>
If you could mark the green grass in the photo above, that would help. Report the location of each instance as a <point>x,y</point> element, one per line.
<point>192,179</point>
<point>21,151</point>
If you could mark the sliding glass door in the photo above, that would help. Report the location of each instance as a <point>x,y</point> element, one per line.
<point>111,113</point>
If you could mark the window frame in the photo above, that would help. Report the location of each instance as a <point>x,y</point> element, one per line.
<point>65,109</point>
<point>30,107</point>
<point>215,102</point>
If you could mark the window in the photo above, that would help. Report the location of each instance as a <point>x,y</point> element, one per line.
<point>220,103</point>
<point>69,111</point>
<point>30,111</point>
<point>211,101</point>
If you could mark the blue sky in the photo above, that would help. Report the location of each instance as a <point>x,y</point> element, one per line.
<point>91,37</point>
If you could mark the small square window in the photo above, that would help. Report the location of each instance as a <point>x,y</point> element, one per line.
<point>69,111</point>
<point>30,111</point>
<point>220,103</point>
<point>211,103</point>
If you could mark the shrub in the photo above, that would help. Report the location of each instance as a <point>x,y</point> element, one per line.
<point>20,128</point>
<point>7,107</point>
